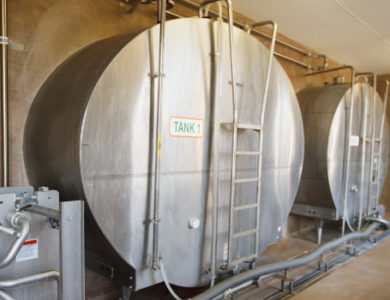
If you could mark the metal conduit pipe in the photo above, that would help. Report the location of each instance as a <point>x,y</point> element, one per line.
<point>43,211</point>
<point>225,285</point>
<point>5,296</point>
<point>157,133</point>
<point>4,91</point>
<point>323,57</point>
<point>23,224</point>
<point>217,47</point>
<point>344,67</point>
<point>12,283</point>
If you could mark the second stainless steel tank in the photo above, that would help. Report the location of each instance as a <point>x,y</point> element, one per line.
<point>326,187</point>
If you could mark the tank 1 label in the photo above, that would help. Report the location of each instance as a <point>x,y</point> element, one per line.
<point>28,251</point>
<point>185,127</point>
<point>354,141</point>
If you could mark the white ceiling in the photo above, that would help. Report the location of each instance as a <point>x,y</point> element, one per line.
<point>355,32</point>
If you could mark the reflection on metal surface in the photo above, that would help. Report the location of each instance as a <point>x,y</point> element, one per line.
<point>89,134</point>
<point>326,113</point>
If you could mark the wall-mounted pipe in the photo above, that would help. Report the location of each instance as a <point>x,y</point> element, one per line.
<point>285,44</point>
<point>254,274</point>
<point>4,91</point>
<point>23,224</point>
<point>43,211</point>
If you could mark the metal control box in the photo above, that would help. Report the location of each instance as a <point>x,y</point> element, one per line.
<point>40,251</point>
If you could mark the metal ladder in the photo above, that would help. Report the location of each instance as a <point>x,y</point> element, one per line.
<point>376,155</point>
<point>235,236</point>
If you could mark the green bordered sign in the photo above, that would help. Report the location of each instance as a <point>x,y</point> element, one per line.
<point>354,141</point>
<point>185,127</point>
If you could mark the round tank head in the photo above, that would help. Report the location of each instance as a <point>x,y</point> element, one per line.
<point>333,171</point>
<point>90,134</point>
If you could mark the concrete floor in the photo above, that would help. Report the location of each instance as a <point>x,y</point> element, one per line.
<point>366,277</point>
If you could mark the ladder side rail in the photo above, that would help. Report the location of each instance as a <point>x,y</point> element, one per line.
<point>262,114</point>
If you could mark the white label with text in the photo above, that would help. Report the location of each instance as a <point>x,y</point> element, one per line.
<point>354,141</point>
<point>185,127</point>
<point>28,251</point>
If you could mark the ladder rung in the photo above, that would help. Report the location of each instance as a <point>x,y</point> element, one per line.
<point>245,258</point>
<point>249,126</point>
<point>246,206</point>
<point>244,233</point>
<point>242,180</point>
<point>378,140</point>
<point>248,153</point>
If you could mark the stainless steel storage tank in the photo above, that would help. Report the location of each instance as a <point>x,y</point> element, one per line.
<point>326,112</point>
<point>89,135</point>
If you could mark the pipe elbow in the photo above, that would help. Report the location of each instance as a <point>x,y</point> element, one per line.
<point>22,223</point>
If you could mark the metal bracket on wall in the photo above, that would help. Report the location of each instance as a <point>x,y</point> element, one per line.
<point>321,59</point>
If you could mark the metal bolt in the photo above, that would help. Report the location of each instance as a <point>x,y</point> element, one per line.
<point>43,189</point>
<point>194,223</point>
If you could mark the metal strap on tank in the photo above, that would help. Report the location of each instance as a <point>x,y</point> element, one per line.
<point>235,107</point>
<point>215,94</point>
<point>372,156</point>
<point>364,150</point>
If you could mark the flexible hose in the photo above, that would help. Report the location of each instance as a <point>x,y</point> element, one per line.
<point>348,223</point>
<point>221,287</point>
<point>164,276</point>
